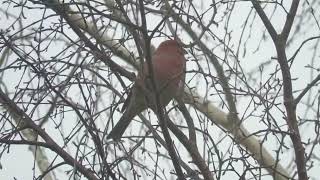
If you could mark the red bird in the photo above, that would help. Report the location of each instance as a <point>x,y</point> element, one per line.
<point>168,63</point>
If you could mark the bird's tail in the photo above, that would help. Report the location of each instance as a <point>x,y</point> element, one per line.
<point>121,126</point>
<point>118,130</point>
<point>133,106</point>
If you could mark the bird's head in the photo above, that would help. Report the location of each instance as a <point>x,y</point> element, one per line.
<point>171,45</point>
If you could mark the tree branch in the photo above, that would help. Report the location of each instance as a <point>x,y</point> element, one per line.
<point>21,116</point>
<point>289,20</point>
<point>265,20</point>
<point>217,116</point>
<point>306,89</point>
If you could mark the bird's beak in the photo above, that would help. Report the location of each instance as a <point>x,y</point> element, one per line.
<point>184,51</point>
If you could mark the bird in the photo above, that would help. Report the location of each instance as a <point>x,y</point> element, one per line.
<point>169,64</point>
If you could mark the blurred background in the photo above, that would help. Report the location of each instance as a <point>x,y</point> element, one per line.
<point>250,108</point>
